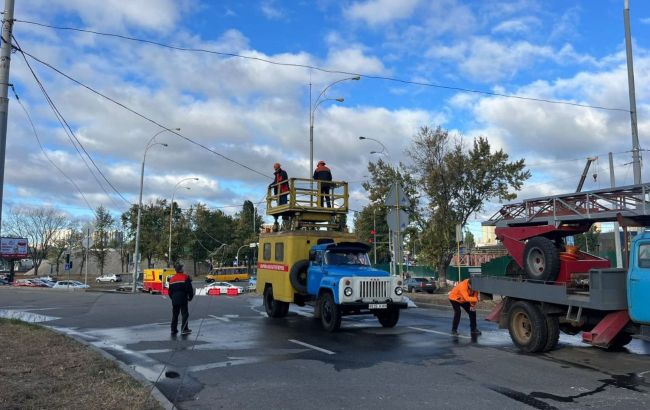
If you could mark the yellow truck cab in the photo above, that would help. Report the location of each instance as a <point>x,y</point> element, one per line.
<point>311,259</point>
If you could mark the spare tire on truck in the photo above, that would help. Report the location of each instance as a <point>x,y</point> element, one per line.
<point>298,276</point>
<point>541,259</point>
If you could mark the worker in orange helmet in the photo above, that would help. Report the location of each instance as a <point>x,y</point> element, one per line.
<point>462,295</point>
<point>322,173</point>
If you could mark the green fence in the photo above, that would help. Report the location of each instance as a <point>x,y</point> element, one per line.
<point>414,271</point>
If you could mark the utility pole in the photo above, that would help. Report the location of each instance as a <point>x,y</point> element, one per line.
<point>5,59</point>
<point>636,157</point>
<point>617,236</point>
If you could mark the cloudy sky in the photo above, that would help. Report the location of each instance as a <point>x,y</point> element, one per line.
<point>257,113</point>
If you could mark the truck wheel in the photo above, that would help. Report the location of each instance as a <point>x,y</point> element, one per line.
<point>330,313</point>
<point>541,259</point>
<point>388,317</point>
<point>298,275</point>
<point>552,333</point>
<point>619,341</point>
<point>274,308</point>
<point>512,269</point>
<point>527,327</point>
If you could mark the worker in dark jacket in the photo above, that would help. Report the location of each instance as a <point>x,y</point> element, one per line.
<point>281,183</point>
<point>322,173</point>
<point>180,293</point>
<point>462,295</point>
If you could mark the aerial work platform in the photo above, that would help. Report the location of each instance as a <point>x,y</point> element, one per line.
<point>631,203</point>
<point>304,206</point>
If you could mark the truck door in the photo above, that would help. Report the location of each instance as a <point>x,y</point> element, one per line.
<point>315,273</point>
<point>638,284</point>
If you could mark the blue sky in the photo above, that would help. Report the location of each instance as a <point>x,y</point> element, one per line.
<point>259,113</point>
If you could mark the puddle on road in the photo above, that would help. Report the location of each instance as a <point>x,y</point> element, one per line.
<point>25,316</point>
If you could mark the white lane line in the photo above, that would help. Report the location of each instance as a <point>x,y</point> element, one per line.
<point>320,349</point>
<point>437,332</point>
<point>223,319</point>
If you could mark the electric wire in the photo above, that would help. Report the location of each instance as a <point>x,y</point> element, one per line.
<point>142,115</point>
<point>325,70</point>
<point>29,118</point>
<point>69,132</point>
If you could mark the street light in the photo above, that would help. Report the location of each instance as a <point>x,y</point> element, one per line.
<point>313,110</point>
<point>136,263</point>
<point>383,151</point>
<point>171,208</point>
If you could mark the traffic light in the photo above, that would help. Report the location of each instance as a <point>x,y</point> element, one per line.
<point>67,258</point>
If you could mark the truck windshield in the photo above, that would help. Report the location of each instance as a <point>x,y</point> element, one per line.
<point>347,258</point>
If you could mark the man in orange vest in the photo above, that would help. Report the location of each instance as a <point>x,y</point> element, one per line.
<point>462,295</point>
<point>180,293</point>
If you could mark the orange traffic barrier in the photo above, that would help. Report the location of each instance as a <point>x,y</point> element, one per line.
<point>232,292</point>
<point>214,292</point>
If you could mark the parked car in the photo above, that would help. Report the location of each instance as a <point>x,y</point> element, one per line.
<point>48,279</point>
<point>224,286</point>
<point>419,285</point>
<point>70,284</point>
<point>42,283</point>
<point>4,282</point>
<point>128,287</point>
<point>252,284</point>
<point>109,277</point>
<point>26,283</point>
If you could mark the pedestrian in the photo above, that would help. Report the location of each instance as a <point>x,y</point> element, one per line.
<point>281,183</point>
<point>322,173</point>
<point>462,295</point>
<point>180,293</point>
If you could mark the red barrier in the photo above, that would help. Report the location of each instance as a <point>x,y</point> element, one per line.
<point>232,292</point>
<point>214,292</point>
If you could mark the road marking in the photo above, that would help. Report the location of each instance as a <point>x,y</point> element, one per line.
<point>224,319</point>
<point>437,332</point>
<point>320,349</point>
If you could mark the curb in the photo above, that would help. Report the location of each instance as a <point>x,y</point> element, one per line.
<point>154,392</point>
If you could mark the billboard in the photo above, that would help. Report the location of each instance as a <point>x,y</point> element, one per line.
<point>13,248</point>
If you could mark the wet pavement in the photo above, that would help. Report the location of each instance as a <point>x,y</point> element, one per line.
<point>239,358</point>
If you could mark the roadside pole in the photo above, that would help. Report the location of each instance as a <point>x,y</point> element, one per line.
<point>5,60</point>
<point>617,237</point>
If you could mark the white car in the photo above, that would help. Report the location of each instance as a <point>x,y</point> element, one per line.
<point>70,284</point>
<point>109,278</point>
<point>223,287</point>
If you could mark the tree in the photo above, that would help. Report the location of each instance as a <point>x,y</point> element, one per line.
<point>41,227</point>
<point>57,249</point>
<point>469,241</point>
<point>456,183</point>
<point>104,224</point>
<point>247,225</point>
<point>373,216</point>
<point>589,241</point>
<point>154,227</point>
<point>211,235</point>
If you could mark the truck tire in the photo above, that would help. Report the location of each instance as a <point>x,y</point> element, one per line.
<point>541,259</point>
<point>527,327</point>
<point>621,340</point>
<point>388,317</point>
<point>274,308</point>
<point>330,313</point>
<point>552,333</point>
<point>298,276</point>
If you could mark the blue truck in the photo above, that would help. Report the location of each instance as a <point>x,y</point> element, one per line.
<point>557,287</point>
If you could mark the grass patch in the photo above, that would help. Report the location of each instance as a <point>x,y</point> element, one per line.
<point>43,369</point>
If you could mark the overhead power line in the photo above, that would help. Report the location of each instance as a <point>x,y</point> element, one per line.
<point>141,115</point>
<point>325,70</point>
<point>29,118</point>
<point>71,135</point>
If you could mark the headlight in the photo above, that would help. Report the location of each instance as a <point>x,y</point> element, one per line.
<point>398,291</point>
<point>347,291</point>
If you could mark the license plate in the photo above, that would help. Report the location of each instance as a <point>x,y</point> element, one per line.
<point>377,306</point>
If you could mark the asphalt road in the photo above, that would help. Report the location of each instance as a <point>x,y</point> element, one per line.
<point>239,358</point>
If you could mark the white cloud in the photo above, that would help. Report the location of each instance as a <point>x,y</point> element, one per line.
<point>518,25</point>
<point>645,20</point>
<point>272,11</point>
<point>376,12</point>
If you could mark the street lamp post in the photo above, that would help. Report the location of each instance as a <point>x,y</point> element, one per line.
<point>136,262</point>
<point>237,257</point>
<point>171,209</point>
<point>313,110</point>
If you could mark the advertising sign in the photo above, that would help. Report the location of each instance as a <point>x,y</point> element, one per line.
<point>13,248</point>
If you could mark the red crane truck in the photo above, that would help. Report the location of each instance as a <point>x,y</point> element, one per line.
<point>552,287</point>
